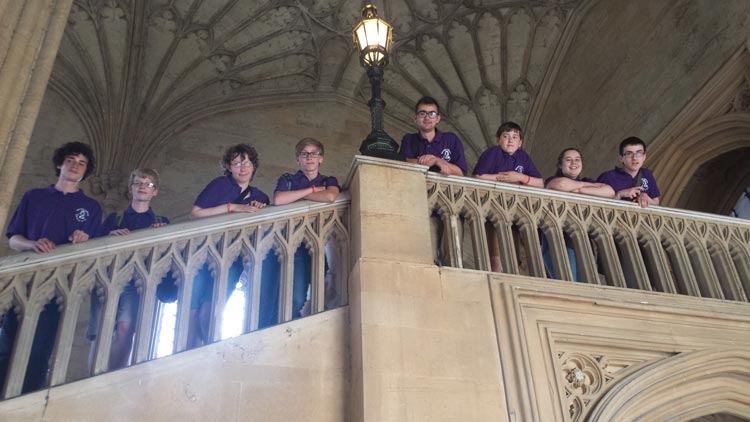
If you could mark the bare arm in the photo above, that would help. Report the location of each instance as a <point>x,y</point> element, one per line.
<point>198,212</point>
<point>601,190</point>
<point>520,178</point>
<point>313,193</point>
<point>644,200</point>
<point>492,177</point>
<point>566,184</point>
<point>19,242</point>
<point>446,168</point>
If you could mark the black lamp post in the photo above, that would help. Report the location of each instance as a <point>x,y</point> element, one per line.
<point>372,37</point>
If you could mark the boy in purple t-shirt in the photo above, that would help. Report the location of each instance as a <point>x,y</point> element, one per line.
<point>632,182</point>
<point>45,218</point>
<point>443,152</point>
<point>510,164</point>
<point>225,194</point>
<point>306,183</point>
<point>144,186</point>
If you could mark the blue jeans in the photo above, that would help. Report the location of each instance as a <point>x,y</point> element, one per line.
<point>41,347</point>
<point>271,280</point>
<point>547,257</point>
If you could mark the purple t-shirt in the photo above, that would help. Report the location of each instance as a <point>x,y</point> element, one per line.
<point>49,213</point>
<point>131,220</point>
<point>619,179</point>
<point>299,181</point>
<point>494,160</point>
<point>445,145</point>
<point>223,190</point>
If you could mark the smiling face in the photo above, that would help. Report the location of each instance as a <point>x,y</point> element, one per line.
<point>143,189</point>
<point>427,117</point>
<point>632,158</point>
<point>242,169</point>
<point>509,141</point>
<point>571,164</point>
<point>73,168</point>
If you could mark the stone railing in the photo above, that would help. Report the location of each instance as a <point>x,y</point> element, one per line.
<point>596,241</point>
<point>67,276</point>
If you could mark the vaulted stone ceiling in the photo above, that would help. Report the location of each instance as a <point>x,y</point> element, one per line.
<point>137,71</point>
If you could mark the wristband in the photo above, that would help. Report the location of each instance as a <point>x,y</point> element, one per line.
<point>229,209</point>
<point>528,179</point>
<point>312,188</point>
<point>579,190</point>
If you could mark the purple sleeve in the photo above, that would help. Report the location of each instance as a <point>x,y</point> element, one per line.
<point>332,181</point>
<point>18,224</point>
<point>484,164</point>
<point>406,147</point>
<point>260,196</point>
<point>211,195</point>
<point>461,159</point>
<point>531,169</point>
<point>605,178</point>
<point>655,188</point>
<point>282,185</point>
<point>109,224</point>
<point>92,229</point>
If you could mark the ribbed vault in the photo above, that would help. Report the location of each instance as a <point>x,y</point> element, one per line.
<point>137,71</point>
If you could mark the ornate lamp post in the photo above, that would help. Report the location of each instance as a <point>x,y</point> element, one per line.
<point>372,36</point>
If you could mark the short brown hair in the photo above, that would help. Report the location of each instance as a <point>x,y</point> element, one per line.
<point>143,174</point>
<point>308,141</point>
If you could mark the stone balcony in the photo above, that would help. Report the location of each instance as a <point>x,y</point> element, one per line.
<point>658,328</point>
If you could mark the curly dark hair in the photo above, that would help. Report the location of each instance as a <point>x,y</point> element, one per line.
<point>74,148</point>
<point>240,150</point>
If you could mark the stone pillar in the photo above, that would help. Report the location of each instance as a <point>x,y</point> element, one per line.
<point>30,34</point>
<point>422,337</point>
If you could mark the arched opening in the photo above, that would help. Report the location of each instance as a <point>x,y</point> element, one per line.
<point>687,387</point>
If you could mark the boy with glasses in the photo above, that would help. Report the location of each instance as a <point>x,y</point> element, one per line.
<point>45,218</point>
<point>306,183</point>
<point>443,152</point>
<point>143,185</point>
<point>632,182</point>
<point>226,194</point>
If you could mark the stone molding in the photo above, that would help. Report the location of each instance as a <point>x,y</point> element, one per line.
<point>716,121</point>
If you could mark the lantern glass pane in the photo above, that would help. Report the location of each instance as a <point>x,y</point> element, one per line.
<point>371,29</point>
<point>361,37</point>
<point>383,36</point>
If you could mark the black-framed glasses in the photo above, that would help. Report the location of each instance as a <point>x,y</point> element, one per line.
<point>306,154</point>
<point>151,185</point>
<point>638,154</point>
<point>424,113</point>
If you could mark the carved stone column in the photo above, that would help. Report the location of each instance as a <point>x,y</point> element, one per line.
<point>30,34</point>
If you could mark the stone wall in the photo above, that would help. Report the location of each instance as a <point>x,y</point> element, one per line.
<point>631,68</point>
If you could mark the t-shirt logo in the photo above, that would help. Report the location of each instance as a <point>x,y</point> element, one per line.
<point>82,214</point>
<point>644,183</point>
<point>446,153</point>
<point>519,169</point>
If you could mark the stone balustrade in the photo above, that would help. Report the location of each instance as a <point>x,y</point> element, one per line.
<point>611,242</point>
<point>67,276</point>
<point>596,241</point>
